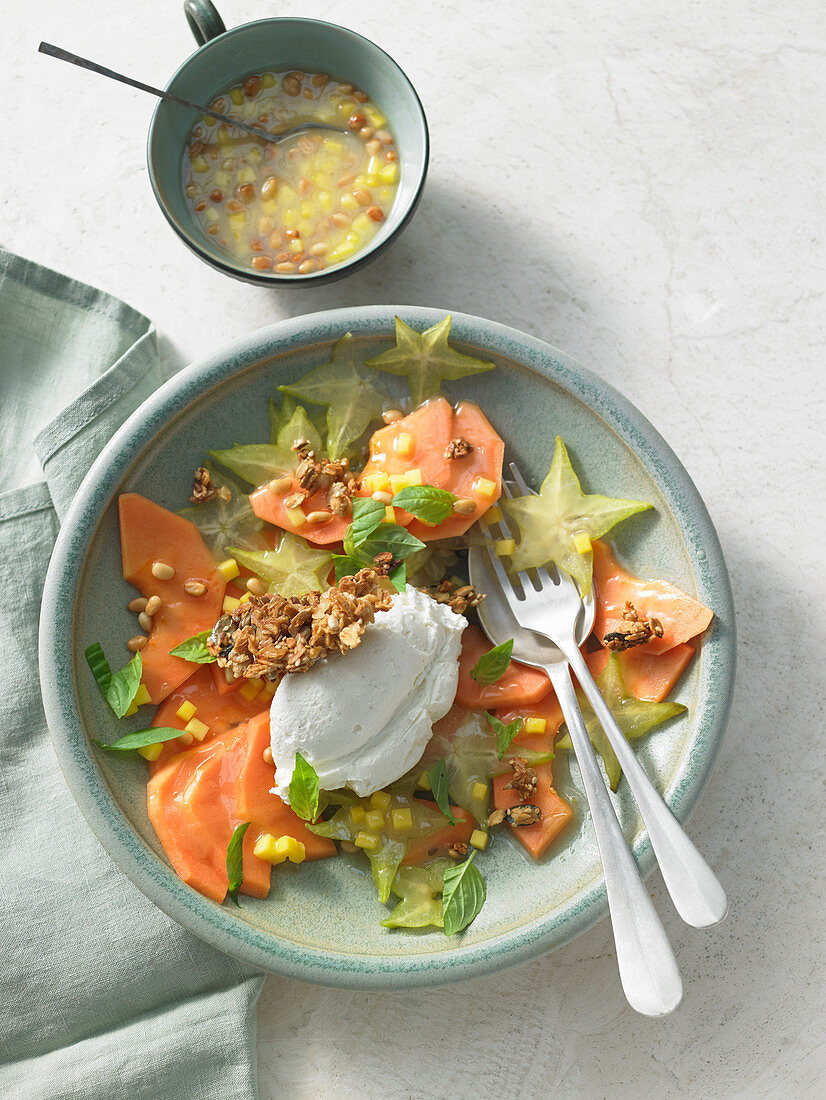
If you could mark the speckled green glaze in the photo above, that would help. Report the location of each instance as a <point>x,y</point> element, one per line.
<point>321,921</point>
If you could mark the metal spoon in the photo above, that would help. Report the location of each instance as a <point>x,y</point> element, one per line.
<point>262,135</point>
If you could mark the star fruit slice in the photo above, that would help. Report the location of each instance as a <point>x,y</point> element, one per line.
<point>634,717</point>
<point>292,569</point>
<point>559,523</point>
<point>427,359</point>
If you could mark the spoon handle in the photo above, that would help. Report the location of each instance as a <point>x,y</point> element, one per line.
<point>648,970</point>
<point>169,97</point>
<point>694,888</point>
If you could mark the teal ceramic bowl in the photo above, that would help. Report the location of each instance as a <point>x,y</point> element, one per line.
<point>321,921</point>
<point>277,44</point>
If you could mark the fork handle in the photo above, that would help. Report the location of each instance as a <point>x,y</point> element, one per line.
<point>694,888</point>
<point>648,969</point>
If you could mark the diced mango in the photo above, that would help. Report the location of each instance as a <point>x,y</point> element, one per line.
<point>197,728</point>
<point>494,514</point>
<point>380,800</point>
<point>357,815</point>
<point>142,696</point>
<point>151,752</point>
<point>479,790</point>
<point>401,819</point>
<point>374,819</point>
<point>295,516</point>
<point>229,568</point>
<point>413,477</point>
<point>479,839</point>
<point>186,711</point>
<point>230,603</point>
<point>582,542</point>
<point>390,173</point>
<point>536,725</point>
<point>251,689</point>
<point>366,840</point>
<point>389,514</point>
<point>504,547</point>
<point>403,444</point>
<point>484,487</point>
<point>276,850</point>
<point>348,201</point>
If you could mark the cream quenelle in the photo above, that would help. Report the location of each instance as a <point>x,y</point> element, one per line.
<point>363,719</point>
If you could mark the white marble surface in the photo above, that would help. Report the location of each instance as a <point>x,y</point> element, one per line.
<point>639,183</point>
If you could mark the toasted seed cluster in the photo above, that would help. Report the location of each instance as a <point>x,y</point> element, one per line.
<point>523,780</point>
<point>633,631</point>
<point>458,597</point>
<point>314,474</point>
<point>204,489</point>
<point>269,636</point>
<point>458,448</point>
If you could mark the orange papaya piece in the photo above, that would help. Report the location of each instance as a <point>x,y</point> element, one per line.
<point>419,442</point>
<point>681,616</point>
<point>556,813</point>
<point>149,534</point>
<point>270,506</point>
<point>218,711</point>
<point>519,686</point>
<point>190,805</point>
<point>256,803</point>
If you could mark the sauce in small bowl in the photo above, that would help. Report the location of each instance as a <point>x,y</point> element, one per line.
<point>307,203</point>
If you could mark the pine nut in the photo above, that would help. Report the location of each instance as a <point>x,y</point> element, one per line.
<point>145,621</point>
<point>280,484</point>
<point>306,267</point>
<point>384,498</point>
<point>256,586</point>
<point>464,506</point>
<point>320,248</point>
<point>261,263</point>
<point>153,605</point>
<point>363,198</point>
<point>390,416</point>
<point>268,755</point>
<point>138,604</point>
<point>135,645</point>
<point>162,571</point>
<point>195,588</point>
<point>376,214</point>
<point>366,132</point>
<point>285,268</point>
<point>373,146</point>
<point>340,220</point>
<point>319,517</point>
<point>269,187</point>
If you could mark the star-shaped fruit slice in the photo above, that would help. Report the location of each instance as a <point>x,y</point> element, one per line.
<point>420,891</point>
<point>352,401</point>
<point>634,717</point>
<point>427,359</point>
<point>559,523</point>
<point>292,569</point>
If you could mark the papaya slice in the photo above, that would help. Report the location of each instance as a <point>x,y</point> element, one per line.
<point>150,533</point>
<point>270,506</point>
<point>428,430</point>
<point>422,849</point>
<point>256,803</point>
<point>520,685</point>
<point>191,806</point>
<point>681,616</point>
<point>652,676</point>
<point>218,711</point>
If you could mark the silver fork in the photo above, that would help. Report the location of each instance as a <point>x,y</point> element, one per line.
<point>647,967</point>
<point>550,602</point>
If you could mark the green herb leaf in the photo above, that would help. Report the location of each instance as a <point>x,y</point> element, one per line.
<point>504,733</point>
<point>463,895</point>
<point>139,739</point>
<point>437,777</point>
<point>389,536</point>
<point>425,502</point>
<point>235,861</point>
<point>100,666</point>
<point>398,576</point>
<point>492,666</point>
<point>118,688</point>
<point>194,649</point>
<point>345,566</point>
<point>367,515</point>
<point>304,789</point>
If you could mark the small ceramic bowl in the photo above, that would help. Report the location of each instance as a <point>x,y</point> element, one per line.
<point>225,56</point>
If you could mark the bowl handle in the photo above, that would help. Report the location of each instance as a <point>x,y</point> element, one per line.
<point>204,20</point>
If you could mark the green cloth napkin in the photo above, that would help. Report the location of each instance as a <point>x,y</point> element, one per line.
<point>103,996</point>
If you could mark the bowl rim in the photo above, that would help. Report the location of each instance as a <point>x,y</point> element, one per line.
<point>263,278</point>
<point>218,925</point>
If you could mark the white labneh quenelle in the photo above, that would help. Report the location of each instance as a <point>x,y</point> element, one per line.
<point>363,718</point>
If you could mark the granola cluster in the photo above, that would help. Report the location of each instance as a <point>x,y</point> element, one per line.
<point>632,631</point>
<point>458,448</point>
<point>314,475</point>
<point>523,780</point>
<point>269,636</point>
<point>204,489</point>
<point>459,597</point>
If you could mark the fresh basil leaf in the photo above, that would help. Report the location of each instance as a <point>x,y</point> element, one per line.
<point>139,739</point>
<point>345,566</point>
<point>367,515</point>
<point>463,895</point>
<point>235,861</point>
<point>492,666</point>
<point>389,536</point>
<point>398,577</point>
<point>304,789</point>
<point>425,502</point>
<point>437,777</point>
<point>194,649</point>
<point>504,733</point>
<point>99,666</point>
<point>124,685</point>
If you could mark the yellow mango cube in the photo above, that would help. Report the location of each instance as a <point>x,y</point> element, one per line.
<point>504,547</point>
<point>389,514</point>
<point>401,819</point>
<point>582,542</point>
<point>484,487</point>
<point>151,752</point>
<point>380,800</point>
<point>251,689</point>
<point>390,173</point>
<point>230,603</point>
<point>494,514</point>
<point>229,569</point>
<point>186,711</point>
<point>368,841</point>
<point>142,696</point>
<point>374,819</point>
<point>357,815</point>
<point>479,790</point>
<point>536,725</point>
<point>197,728</point>
<point>403,444</point>
<point>295,516</point>
<point>479,839</point>
<point>414,477</point>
